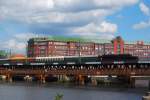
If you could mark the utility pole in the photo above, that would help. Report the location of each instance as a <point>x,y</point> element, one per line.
<point>98,50</point>
<point>79,51</point>
<point>10,53</point>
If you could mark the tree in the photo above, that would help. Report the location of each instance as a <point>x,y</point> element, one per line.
<point>3,54</point>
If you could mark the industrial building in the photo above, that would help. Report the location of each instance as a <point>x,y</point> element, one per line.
<point>47,47</point>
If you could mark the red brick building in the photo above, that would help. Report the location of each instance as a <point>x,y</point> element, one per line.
<point>44,47</point>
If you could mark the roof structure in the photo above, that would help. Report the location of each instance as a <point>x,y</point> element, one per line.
<point>71,39</point>
<point>135,42</point>
<point>17,56</point>
<point>79,39</point>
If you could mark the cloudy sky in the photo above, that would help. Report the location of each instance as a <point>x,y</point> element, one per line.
<point>95,19</point>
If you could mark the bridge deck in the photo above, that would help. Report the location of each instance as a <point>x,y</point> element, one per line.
<point>82,69</point>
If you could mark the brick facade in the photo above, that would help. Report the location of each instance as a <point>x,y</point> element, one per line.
<point>44,47</point>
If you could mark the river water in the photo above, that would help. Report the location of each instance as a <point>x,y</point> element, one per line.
<point>34,91</point>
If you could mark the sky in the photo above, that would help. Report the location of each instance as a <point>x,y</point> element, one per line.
<point>93,19</point>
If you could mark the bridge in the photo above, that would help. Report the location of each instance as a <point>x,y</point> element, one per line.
<point>80,67</point>
<point>42,70</point>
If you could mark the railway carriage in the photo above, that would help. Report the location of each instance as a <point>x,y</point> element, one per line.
<point>68,60</point>
<point>71,60</point>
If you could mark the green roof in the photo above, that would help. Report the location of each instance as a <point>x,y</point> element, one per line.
<point>65,39</point>
<point>72,39</point>
<point>135,42</point>
<point>130,42</point>
<point>81,39</point>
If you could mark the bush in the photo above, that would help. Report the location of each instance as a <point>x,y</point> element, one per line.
<point>59,97</point>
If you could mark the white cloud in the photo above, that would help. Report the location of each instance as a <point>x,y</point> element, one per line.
<point>14,45</point>
<point>81,17</point>
<point>96,31</point>
<point>142,25</point>
<point>60,11</point>
<point>18,42</point>
<point>107,27</point>
<point>57,10</point>
<point>62,17</point>
<point>104,27</point>
<point>26,36</point>
<point>145,9</point>
<point>114,3</point>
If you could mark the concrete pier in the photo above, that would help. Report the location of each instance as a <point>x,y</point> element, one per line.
<point>9,78</point>
<point>94,82</point>
<point>28,78</point>
<point>148,94</point>
<point>3,77</point>
<point>146,98</point>
<point>42,78</point>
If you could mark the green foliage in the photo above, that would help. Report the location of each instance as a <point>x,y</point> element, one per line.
<point>59,96</point>
<point>3,54</point>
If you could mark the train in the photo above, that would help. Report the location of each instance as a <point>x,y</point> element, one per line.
<point>74,60</point>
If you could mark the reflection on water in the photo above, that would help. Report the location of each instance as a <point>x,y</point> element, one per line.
<point>34,91</point>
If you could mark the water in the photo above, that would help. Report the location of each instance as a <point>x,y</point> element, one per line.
<point>26,91</point>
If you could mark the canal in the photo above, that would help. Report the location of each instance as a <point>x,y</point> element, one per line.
<point>35,91</point>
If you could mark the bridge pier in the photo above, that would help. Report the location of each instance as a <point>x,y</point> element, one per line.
<point>149,86</point>
<point>94,82</point>
<point>126,80</point>
<point>63,78</point>
<point>131,82</point>
<point>42,79</point>
<point>28,78</point>
<point>60,78</point>
<point>81,80</point>
<point>3,77</point>
<point>147,97</point>
<point>9,78</point>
